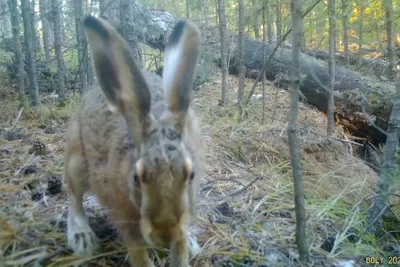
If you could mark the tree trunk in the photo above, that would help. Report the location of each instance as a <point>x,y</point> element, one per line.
<point>332,50</point>
<point>241,52</point>
<point>5,22</point>
<point>264,23</point>
<point>375,66</point>
<point>315,26</point>
<point>269,21</point>
<point>82,49</point>
<point>63,18</point>
<point>345,31</point>
<point>278,21</point>
<point>388,4</point>
<point>45,27</point>
<point>388,169</point>
<point>35,33</point>
<point>128,32</point>
<point>303,36</point>
<point>187,8</point>
<point>29,40</point>
<point>360,32</point>
<point>315,77</point>
<point>301,237</point>
<point>57,46</point>
<point>311,27</point>
<point>206,12</point>
<point>15,22</point>
<point>224,52</point>
<point>255,12</point>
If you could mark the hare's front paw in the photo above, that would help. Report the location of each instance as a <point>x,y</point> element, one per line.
<point>83,243</point>
<point>193,247</point>
<point>81,237</point>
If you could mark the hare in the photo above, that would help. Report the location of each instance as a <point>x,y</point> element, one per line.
<point>136,144</point>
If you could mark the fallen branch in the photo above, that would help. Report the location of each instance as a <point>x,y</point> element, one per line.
<point>244,188</point>
<point>283,38</point>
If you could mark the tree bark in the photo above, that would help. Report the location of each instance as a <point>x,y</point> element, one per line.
<point>255,12</point>
<point>311,26</point>
<point>332,50</point>
<point>5,22</point>
<point>388,5</point>
<point>278,21</point>
<point>264,23</point>
<point>376,66</point>
<point>29,40</point>
<point>224,52</point>
<point>15,22</point>
<point>45,27</point>
<point>57,45</point>
<point>187,8</point>
<point>269,21</point>
<point>388,168</point>
<point>63,30</point>
<point>241,52</point>
<point>35,33</point>
<point>303,36</point>
<point>82,49</point>
<point>128,32</point>
<point>345,31</point>
<point>301,237</point>
<point>360,32</point>
<point>206,12</point>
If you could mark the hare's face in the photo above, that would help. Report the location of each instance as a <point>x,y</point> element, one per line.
<point>164,169</point>
<point>164,174</point>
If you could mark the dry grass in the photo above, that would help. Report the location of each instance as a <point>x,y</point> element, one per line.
<point>247,200</point>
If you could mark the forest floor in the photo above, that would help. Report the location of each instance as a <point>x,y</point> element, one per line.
<point>246,206</point>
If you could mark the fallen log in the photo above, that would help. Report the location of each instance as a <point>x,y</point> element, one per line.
<point>376,66</point>
<point>361,101</point>
<point>355,95</point>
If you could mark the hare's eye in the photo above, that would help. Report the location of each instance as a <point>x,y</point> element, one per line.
<point>191,176</point>
<point>136,178</point>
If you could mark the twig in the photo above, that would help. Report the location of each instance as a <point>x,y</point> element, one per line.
<point>283,130</point>
<point>345,137</point>
<point>276,99</point>
<point>378,217</point>
<point>57,252</point>
<point>16,120</point>
<point>347,141</point>
<point>243,188</point>
<point>378,195</point>
<point>210,184</point>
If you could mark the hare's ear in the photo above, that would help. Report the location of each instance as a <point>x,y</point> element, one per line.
<point>119,76</point>
<point>181,57</point>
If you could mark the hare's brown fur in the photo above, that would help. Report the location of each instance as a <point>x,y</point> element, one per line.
<point>112,141</point>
